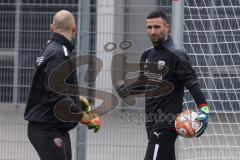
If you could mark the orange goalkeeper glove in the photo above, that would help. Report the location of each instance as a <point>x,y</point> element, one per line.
<point>91,120</point>
<point>86,107</point>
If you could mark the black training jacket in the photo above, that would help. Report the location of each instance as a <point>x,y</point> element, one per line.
<point>41,100</point>
<point>175,71</point>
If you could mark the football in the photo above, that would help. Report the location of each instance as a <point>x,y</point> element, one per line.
<point>186,125</point>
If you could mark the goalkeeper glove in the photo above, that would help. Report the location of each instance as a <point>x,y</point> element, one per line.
<point>122,89</point>
<point>86,107</point>
<point>203,117</point>
<point>91,120</point>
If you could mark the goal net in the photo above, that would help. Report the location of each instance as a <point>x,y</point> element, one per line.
<point>212,40</point>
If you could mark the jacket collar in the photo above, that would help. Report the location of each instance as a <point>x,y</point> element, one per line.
<point>62,40</point>
<point>167,43</point>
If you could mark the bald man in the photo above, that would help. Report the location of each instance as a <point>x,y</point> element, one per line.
<point>64,24</point>
<point>48,133</point>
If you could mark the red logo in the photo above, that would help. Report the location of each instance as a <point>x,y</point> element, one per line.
<point>58,142</point>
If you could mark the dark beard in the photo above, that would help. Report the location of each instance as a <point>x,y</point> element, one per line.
<point>157,43</point>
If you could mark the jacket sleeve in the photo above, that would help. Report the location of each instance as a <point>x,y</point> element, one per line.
<point>184,70</point>
<point>187,74</point>
<point>73,79</point>
<point>142,62</point>
<point>55,61</point>
<point>142,79</point>
<point>138,86</point>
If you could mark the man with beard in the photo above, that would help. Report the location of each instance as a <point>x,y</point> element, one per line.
<point>174,70</point>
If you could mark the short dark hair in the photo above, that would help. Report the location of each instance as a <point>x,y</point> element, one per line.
<point>158,13</point>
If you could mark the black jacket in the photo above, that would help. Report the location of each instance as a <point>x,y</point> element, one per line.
<point>175,71</point>
<point>42,100</point>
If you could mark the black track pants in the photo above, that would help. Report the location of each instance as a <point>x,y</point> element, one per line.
<point>50,143</point>
<point>161,145</point>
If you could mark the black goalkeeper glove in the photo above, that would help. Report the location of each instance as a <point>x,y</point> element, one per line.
<point>122,89</point>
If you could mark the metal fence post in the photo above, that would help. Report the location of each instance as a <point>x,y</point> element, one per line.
<point>81,131</point>
<point>16,50</point>
<point>177,29</point>
<point>177,22</point>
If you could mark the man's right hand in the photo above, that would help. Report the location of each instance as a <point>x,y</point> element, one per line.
<point>122,89</point>
<point>203,117</point>
<point>91,120</point>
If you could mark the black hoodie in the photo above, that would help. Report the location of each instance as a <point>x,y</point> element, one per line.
<point>177,72</point>
<point>42,100</point>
